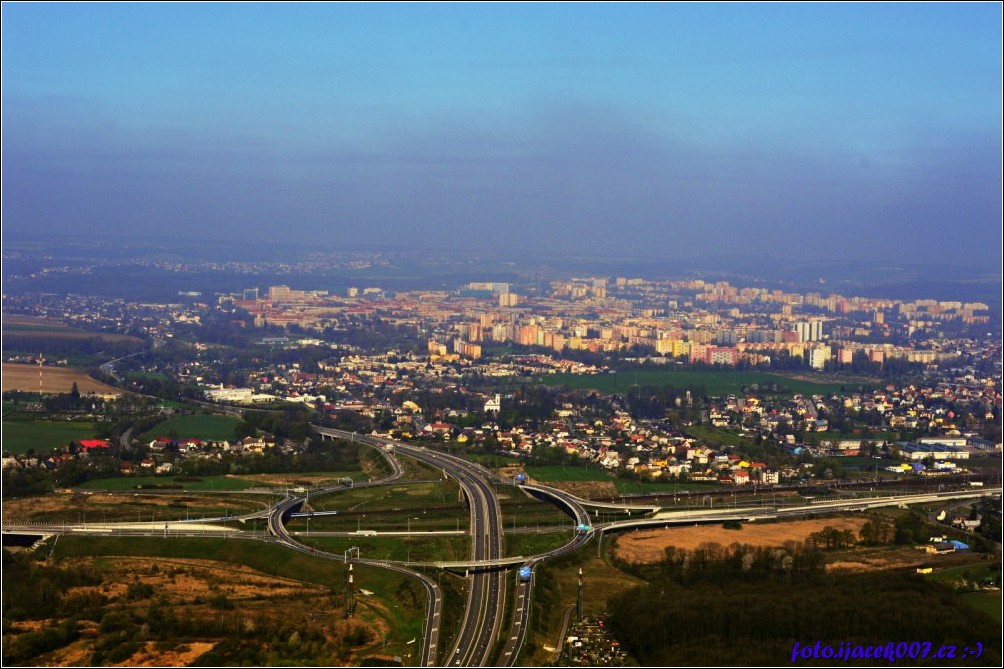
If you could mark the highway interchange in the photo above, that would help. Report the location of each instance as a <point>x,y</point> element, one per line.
<point>481,625</point>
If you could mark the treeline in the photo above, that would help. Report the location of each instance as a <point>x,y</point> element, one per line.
<point>346,419</point>
<point>719,606</point>
<point>315,456</point>
<point>989,514</point>
<point>375,334</point>
<point>54,345</point>
<point>37,590</point>
<point>157,386</point>
<point>25,482</point>
<point>327,456</point>
<point>712,562</point>
<point>653,402</point>
<point>292,422</point>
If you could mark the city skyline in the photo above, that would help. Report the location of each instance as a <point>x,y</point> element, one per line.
<point>670,130</point>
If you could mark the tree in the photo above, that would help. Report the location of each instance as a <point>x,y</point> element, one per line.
<point>242,430</point>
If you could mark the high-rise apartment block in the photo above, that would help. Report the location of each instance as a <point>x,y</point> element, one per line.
<point>809,331</point>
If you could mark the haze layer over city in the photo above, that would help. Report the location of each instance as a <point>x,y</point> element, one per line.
<point>813,131</point>
<point>662,334</point>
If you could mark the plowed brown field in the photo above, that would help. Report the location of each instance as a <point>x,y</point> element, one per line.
<point>649,545</point>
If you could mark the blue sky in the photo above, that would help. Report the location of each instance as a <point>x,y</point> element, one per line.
<point>667,130</point>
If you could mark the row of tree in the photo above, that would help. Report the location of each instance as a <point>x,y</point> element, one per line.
<point>728,606</point>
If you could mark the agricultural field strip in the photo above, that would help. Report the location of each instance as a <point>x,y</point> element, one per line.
<point>53,380</point>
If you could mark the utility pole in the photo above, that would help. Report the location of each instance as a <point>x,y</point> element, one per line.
<point>349,595</point>
<point>578,604</point>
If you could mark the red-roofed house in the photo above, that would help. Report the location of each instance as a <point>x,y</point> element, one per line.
<point>90,444</point>
<point>160,443</point>
<point>189,444</point>
<point>438,428</point>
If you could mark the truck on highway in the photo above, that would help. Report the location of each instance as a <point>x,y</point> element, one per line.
<point>583,528</point>
<point>524,574</point>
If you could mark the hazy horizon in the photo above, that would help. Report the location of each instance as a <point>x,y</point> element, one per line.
<point>810,132</point>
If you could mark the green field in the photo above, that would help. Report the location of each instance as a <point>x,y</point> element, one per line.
<point>43,436</point>
<point>526,545</point>
<point>715,436</point>
<point>520,511</point>
<point>401,549</point>
<point>414,470</point>
<point>559,473</point>
<point>988,602</point>
<point>199,426</point>
<point>865,462</point>
<point>184,483</point>
<point>715,382</point>
<point>420,506</point>
<point>969,571</point>
<point>492,461</point>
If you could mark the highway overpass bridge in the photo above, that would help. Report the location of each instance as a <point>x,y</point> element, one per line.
<point>754,513</point>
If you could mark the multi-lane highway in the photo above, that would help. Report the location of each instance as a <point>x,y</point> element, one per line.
<point>482,620</point>
<point>524,588</point>
<point>486,591</point>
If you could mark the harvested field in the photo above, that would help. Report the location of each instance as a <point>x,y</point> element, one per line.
<point>190,580</point>
<point>585,489</point>
<point>26,326</point>
<point>99,507</point>
<point>54,380</point>
<point>649,545</point>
